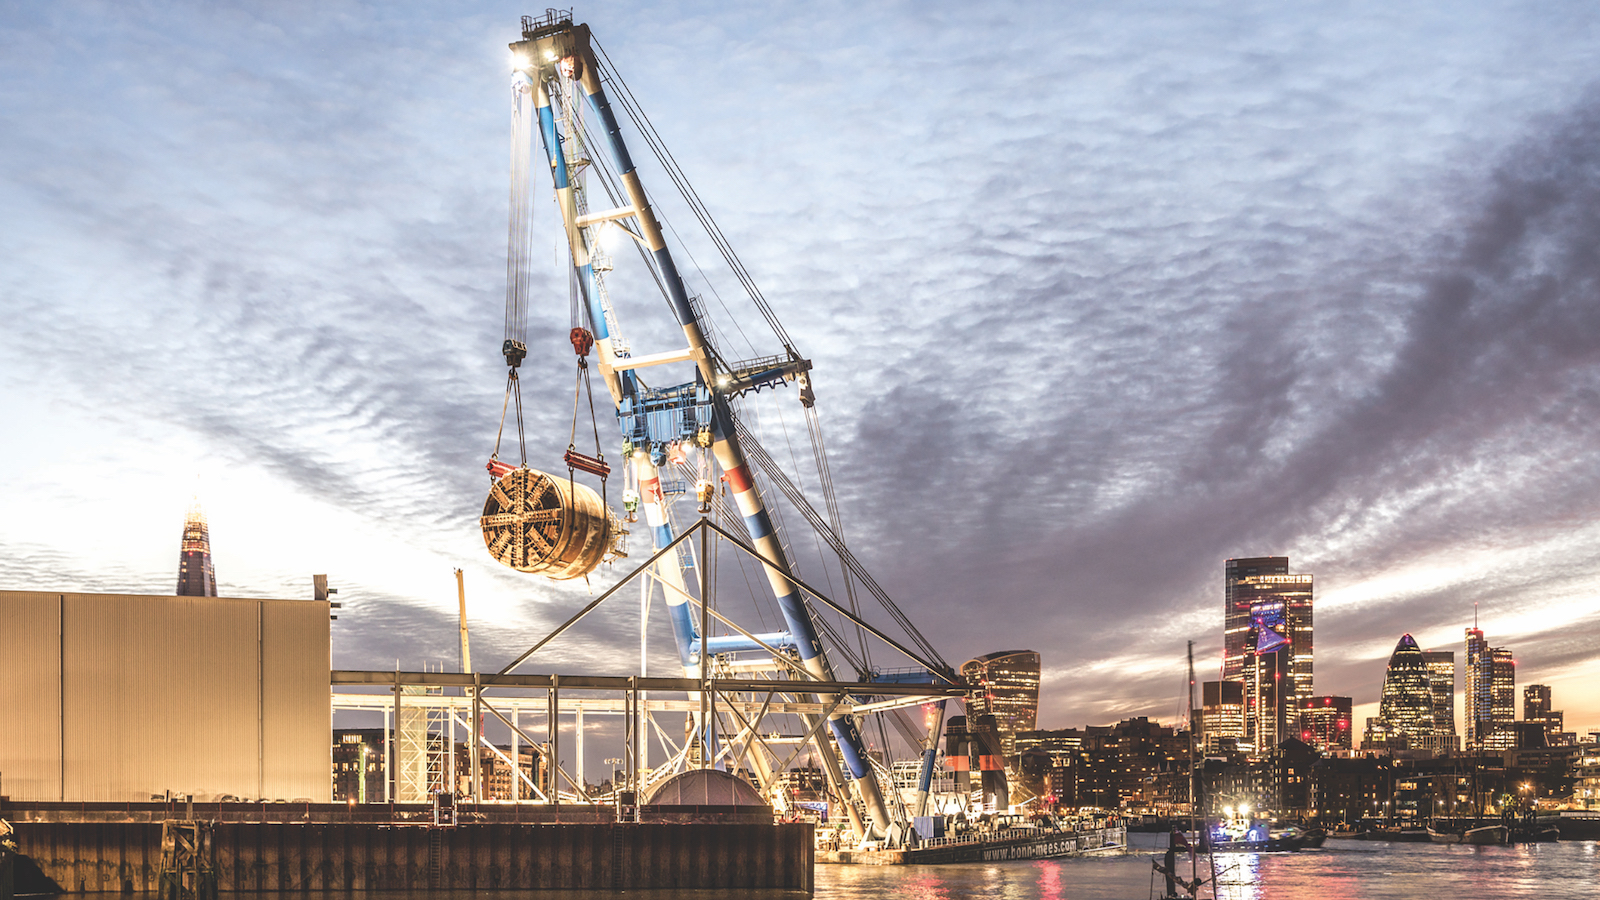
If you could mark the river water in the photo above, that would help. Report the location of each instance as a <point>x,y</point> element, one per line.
<point>1341,870</point>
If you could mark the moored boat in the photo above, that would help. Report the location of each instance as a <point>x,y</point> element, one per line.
<point>1022,842</point>
<point>1483,834</point>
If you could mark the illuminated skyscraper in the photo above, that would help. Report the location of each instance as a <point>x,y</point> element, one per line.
<point>1221,714</point>
<point>1406,707</point>
<point>1004,685</point>
<point>195,577</point>
<point>1491,694</point>
<point>1536,710</point>
<point>1442,679</point>
<point>1502,700</point>
<point>1478,720</point>
<point>1267,645</point>
<point>1325,723</point>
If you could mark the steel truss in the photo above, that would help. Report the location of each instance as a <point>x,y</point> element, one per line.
<point>736,711</point>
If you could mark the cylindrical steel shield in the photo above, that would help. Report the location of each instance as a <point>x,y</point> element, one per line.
<point>534,522</point>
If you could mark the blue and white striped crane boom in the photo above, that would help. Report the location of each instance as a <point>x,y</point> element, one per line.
<point>553,62</point>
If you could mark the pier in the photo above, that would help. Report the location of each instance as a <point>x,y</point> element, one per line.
<point>314,853</point>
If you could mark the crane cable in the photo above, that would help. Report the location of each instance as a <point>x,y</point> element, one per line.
<point>764,462</point>
<point>513,391</point>
<point>518,232</point>
<point>670,165</point>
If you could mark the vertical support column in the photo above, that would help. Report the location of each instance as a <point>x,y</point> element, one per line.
<point>391,763</point>
<point>516,753</point>
<point>450,740</point>
<point>705,641</point>
<point>930,750</point>
<point>261,703</point>
<point>555,739</point>
<point>630,733</point>
<point>577,744</point>
<point>61,697</point>
<point>477,739</point>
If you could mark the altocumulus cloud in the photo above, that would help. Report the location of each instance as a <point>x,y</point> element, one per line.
<point>1098,297</point>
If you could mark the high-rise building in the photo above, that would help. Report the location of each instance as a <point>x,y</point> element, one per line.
<point>1536,710</point>
<point>1442,679</point>
<point>1406,707</point>
<point>1325,723</point>
<point>1491,694</point>
<point>1477,688</point>
<point>1004,685</point>
<point>1221,714</point>
<point>195,577</point>
<point>1503,687</point>
<point>1267,644</point>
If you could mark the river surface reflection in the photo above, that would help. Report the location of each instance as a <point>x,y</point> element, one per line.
<point>1342,870</point>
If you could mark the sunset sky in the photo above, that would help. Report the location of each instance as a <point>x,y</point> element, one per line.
<point>1098,296</point>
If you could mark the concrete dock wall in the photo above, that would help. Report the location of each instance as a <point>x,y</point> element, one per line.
<point>125,856</point>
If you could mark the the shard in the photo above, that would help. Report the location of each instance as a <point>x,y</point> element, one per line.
<point>195,576</point>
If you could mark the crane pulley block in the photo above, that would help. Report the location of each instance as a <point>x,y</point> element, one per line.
<point>582,341</point>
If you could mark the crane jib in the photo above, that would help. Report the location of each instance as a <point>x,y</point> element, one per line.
<point>558,60</point>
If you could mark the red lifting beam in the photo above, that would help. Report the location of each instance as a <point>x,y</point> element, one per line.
<point>576,460</point>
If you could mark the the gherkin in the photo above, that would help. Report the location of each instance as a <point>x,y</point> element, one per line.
<point>1407,704</point>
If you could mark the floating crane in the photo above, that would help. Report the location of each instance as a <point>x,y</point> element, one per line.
<point>673,435</point>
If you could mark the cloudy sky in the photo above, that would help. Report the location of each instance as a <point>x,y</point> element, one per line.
<point>1098,294</point>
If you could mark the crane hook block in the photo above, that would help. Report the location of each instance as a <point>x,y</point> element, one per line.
<point>534,522</point>
<point>514,351</point>
<point>582,341</point>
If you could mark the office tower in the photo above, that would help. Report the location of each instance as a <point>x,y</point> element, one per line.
<point>1004,685</point>
<point>1442,679</point>
<point>1536,710</point>
<point>1491,694</point>
<point>1502,699</point>
<point>1477,712</point>
<point>1406,706</point>
<point>1221,714</point>
<point>195,577</point>
<point>1536,702</point>
<point>1325,723</point>
<point>1267,644</point>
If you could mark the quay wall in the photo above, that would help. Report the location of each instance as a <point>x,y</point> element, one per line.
<point>118,857</point>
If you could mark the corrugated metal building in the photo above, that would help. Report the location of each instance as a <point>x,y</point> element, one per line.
<point>118,697</point>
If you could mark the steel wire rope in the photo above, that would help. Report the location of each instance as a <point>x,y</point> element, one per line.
<point>764,462</point>
<point>519,228</point>
<point>669,163</point>
<point>865,659</point>
<point>819,455</point>
<point>613,193</point>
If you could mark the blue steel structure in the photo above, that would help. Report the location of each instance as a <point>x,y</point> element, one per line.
<point>557,73</point>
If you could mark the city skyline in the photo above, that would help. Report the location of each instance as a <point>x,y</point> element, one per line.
<point>1214,281</point>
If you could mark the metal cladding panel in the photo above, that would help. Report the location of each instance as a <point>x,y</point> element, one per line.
<point>193,695</point>
<point>160,694</point>
<point>30,696</point>
<point>296,715</point>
